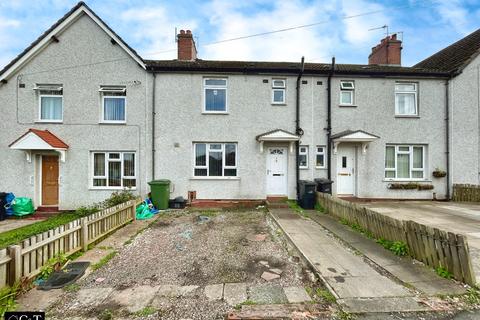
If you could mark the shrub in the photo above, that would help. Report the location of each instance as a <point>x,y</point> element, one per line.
<point>116,198</point>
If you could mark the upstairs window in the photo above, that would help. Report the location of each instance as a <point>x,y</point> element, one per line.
<point>215,92</point>
<point>114,170</point>
<point>50,99</point>
<point>114,103</point>
<point>347,93</point>
<point>320,157</point>
<point>303,157</point>
<point>215,160</point>
<point>406,99</point>
<point>278,91</point>
<point>405,162</point>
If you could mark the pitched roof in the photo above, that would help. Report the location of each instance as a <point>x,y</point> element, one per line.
<point>76,10</point>
<point>350,132</point>
<point>200,65</point>
<point>46,136</point>
<point>456,56</point>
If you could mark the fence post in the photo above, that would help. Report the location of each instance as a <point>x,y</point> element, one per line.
<point>134,211</point>
<point>84,234</point>
<point>15,252</point>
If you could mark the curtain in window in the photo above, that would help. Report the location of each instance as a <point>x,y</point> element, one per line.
<point>129,164</point>
<point>200,154</point>
<point>405,103</point>
<point>417,162</point>
<point>114,174</point>
<point>215,99</point>
<point>99,164</point>
<point>215,163</point>
<point>114,109</point>
<point>403,166</point>
<point>51,108</point>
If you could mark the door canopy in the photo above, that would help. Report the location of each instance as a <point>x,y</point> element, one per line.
<point>277,135</point>
<point>358,136</point>
<point>35,139</point>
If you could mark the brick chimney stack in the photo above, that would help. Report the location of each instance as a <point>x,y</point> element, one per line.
<point>186,46</point>
<point>388,52</point>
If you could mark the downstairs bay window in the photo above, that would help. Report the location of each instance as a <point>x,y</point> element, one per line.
<point>113,170</point>
<point>215,160</point>
<point>405,162</point>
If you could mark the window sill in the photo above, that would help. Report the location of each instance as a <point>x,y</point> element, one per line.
<point>406,180</point>
<point>347,105</point>
<point>49,121</point>
<point>215,112</point>
<point>215,178</point>
<point>321,168</point>
<point>303,168</point>
<point>111,188</point>
<point>112,122</point>
<point>407,116</point>
<point>278,104</point>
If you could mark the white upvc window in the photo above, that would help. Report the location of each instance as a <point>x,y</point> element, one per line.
<point>405,162</point>
<point>406,99</point>
<point>320,157</point>
<point>114,104</point>
<point>303,157</point>
<point>113,170</point>
<point>215,95</point>
<point>215,159</point>
<point>347,93</point>
<point>279,88</point>
<point>50,102</point>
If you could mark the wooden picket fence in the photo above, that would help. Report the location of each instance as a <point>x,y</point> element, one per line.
<point>434,247</point>
<point>466,192</point>
<point>25,260</point>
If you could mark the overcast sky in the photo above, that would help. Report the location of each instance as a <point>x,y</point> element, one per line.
<point>149,26</point>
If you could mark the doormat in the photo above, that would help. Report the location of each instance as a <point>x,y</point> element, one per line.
<point>68,275</point>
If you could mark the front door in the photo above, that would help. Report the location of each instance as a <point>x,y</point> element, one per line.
<point>49,180</point>
<point>346,171</point>
<point>277,171</point>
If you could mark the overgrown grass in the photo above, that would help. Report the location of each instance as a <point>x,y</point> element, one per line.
<point>319,208</point>
<point>319,293</point>
<point>245,303</point>
<point>104,260</point>
<point>293,204</point>
<point>444,273</point>
<point>7,298</point>
<point>145,312</point>
<point>16,235</point>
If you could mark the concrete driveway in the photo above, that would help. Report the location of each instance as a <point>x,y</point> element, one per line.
<point>456,217</point>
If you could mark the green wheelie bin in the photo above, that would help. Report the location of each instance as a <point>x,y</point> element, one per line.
<point>160,193</point>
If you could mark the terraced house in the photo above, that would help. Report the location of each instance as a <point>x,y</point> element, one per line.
<point>84,114</point>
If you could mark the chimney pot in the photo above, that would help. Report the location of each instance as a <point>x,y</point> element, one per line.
<point>388,52</point>
<point>182,31</point>
<point>186,48</point>
<point>189,32</point>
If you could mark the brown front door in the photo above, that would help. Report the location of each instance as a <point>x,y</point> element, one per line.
<point>49,180</point>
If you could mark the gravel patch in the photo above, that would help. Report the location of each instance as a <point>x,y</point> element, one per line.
<point>189,251</point>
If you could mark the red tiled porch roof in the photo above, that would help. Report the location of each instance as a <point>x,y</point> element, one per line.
<point>46,136</point>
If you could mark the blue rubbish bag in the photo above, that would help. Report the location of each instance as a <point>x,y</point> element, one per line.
<point>8,207</point>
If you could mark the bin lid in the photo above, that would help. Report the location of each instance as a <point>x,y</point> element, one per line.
<point>159,182</point>
<point>306,182</point>
<point>322,180</point>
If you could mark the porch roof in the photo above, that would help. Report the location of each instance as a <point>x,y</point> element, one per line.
<point>35,139</point>
<point>277,135</point>
<point>354,136</point>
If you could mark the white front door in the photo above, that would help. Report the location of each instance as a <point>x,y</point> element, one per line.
<point>346,171</point>
<point>277,171</point>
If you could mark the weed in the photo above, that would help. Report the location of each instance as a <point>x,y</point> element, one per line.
<point>319,208</point>
<point>292,204</point>
<point>116,198</point>
<point>104,260</point>
<point>245,303</point>
<point>106,315</point>
<point>472,296</point>
<point>74,287</point>
<point>7,298</point>
<point>326,295</point>
<point>145,312</point>
<point>444,273</point>
<point>209,213</point>
<point>343,315</point>
<point>399,248</point>
<point>52,264</point>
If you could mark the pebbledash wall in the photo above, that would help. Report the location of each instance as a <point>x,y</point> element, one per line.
<point>180,123</point>
<point>69,62</point>
<point>465,124</point>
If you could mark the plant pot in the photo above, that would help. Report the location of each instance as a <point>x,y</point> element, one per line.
<point>439,174</point>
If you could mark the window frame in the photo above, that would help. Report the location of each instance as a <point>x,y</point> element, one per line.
<point>317,153</point>
<point>207,159</point>
<point>215,87</point>
<point>122,176</point>
<point>104,91</point>
<point>41,95</point>
<point>411,168</point>
<point>282,88</point>
<point>350,90</point>
<point>306,153</point>
<point>415,93</point>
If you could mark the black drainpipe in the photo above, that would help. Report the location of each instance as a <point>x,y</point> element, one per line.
<point>329,119</point>
<point>447,134</point>
<point>298,130</point>
<point>153,125</point>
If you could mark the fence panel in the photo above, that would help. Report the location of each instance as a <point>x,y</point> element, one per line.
<point>466,192</point>
<point>432,246</point>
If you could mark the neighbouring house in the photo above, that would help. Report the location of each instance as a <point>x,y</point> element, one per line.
<point>461,60</point>
<point>84,115</point>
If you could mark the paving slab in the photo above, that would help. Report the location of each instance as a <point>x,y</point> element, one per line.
<point>399,304</point>
<point>296,295</point>
<point>267,294</point>
<point>38,300</point>
<point>346,273</point>
<point>281,311</point>
<point>403,268</point>
<point>235,293</point>
<point>133,299</point>
<point>269,276</point>
<point>86,298</point>
<point>214,291</point>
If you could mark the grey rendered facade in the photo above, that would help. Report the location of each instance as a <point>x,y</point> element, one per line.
<point>170,96</point>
